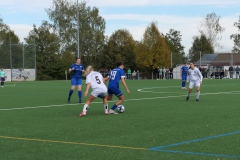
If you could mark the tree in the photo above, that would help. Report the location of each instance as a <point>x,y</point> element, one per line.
<point>212,29</point>
<point>47,49</point>
<point>201,45</point>
<point>8,37</point>
<point>236,38</point>
<point>5,46</point>
<point>174,39</point>
<point>63,14</point>
<point>1,21</point>
<point>120,47</point>
<point>153,50</point>
<point>143,59</point>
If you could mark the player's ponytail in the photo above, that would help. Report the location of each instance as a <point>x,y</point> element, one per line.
<point>88,70</point>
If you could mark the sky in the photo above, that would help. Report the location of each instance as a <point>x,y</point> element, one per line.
<point>135,16</point>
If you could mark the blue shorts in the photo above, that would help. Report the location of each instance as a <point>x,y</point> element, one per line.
<point>76,81</point>
<point>184,78</point>
<point>2,79</point>
<point>116,91</point>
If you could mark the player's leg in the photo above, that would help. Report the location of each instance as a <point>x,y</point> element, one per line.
<point>105,104</point>
<point>191,84</point>
<point>184,79</point>
<point>198,90</point>
<point>110,94</point>
<point>86,105</point>
<point>118,93</point>
<point>120,100</point>
<point>73,83</point>
<point>1,82</point>
<point>109,97</point>
<point>79,83</point>
<point>80,93</point>
<point>104,93</point>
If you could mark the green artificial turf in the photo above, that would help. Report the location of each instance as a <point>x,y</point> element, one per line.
<point>37,123</point>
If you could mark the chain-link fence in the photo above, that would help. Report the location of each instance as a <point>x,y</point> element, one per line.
<point>19,60</point>
<point>213,72</point>
<point>177,75</point>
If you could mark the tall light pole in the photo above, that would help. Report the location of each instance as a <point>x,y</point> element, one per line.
<point>10,49</point>
<point>23,53</point>
<point>200,58</point>
<point>35,50</point>
<point>78,31</point>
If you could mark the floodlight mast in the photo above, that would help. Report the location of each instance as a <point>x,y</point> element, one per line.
<point>78,31</point>
<point>200,59</point>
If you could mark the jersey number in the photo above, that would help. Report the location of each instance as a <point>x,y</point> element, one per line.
<point>98,80</point>
<point>113,74</point>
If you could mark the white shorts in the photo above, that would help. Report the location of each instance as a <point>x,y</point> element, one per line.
<point>196,83</point>
<point>101,91</point>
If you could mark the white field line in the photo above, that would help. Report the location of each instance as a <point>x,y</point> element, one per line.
<point>140,99</point>
<point>10,85</point>
<point>180,86</point>
<point>160,92</point>
<point>55,105</point>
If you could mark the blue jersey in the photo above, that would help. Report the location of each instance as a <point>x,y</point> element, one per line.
<point>77,72</point>
<point>184,71</point>
<point>114,77</point>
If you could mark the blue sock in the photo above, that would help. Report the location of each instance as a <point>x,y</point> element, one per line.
<point>114,107</point>
<point>99,96</point>
<point>80,94</point>
<point>184,84</point>
<point>70,93</point>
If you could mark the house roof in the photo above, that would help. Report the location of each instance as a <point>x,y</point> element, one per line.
<point>223,59</point>
<point>206,59</point>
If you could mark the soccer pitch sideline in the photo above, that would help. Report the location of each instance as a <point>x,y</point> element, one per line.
<point>158,123</point>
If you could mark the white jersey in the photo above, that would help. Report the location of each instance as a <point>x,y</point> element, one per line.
<point>194,74</point>
<point>96,81</point>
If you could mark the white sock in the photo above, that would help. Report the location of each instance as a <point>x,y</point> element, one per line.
<point>197,95</point>
<point>105,106</point>
<point>85,107</point>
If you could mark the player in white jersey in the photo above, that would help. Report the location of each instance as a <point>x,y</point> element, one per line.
<point>195,78</point>
<point>95,81</point>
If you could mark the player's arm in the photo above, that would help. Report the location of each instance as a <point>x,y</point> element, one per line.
<point>105,79</point>
<point>87,89</point>
<point>125,85</point>
<point>70,69</point>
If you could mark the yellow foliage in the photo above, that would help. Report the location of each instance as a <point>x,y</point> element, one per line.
<point>153,50</point>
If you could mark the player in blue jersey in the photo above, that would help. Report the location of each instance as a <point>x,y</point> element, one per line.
<point>77,70</point>
<point>114,77</point>
<point>184,71</point>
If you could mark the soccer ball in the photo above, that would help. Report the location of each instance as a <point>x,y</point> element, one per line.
<point>120,108</point>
